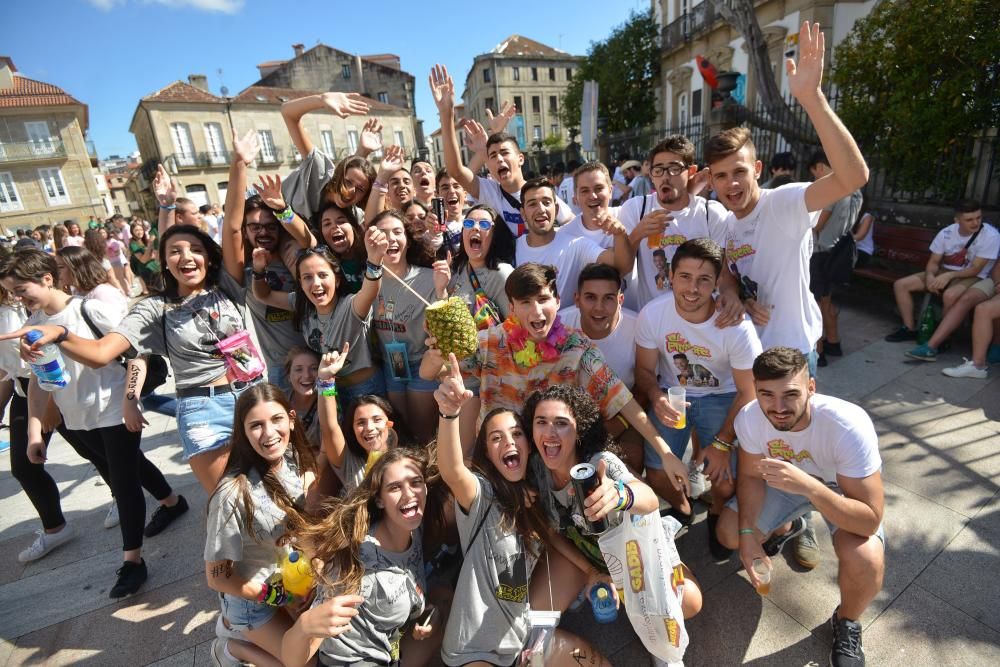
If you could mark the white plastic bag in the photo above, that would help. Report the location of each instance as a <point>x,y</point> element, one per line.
<point>646,568</point>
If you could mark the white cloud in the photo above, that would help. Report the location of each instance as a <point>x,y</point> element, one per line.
<point>223,6</point>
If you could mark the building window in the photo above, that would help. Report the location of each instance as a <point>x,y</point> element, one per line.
<point>383,97</point>
<point>487,75</point>
<point>517,104</point>
<point>536,133</point>
<point>569,73</point>
<point>489,104</point>
<point>197,193</point>
<point>183,147</point>
<point>215,143</point>
<point>53,186</point>
<point>534,74</point>
<point>326,136</point>
<point>9,200</point>
<point>40,137</point>
<point>552,74</point>
<point>223,188</point>
<point>517,73</point>
<point>268,153</point>
<point>397,136</point>
<point>555,129</point>
<point>536,104</point>
<point>682,108</point>
<point>553,104</point>
<point>696,103</point>
<point>352,141</point>
<point>345,71</point>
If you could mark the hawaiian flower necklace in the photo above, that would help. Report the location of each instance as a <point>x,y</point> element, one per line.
<point>528,353</point>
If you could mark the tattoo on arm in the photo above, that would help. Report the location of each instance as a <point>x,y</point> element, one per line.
<point>133,382</point>
<point>223,569</point>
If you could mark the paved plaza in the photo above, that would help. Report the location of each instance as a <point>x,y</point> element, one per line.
<point>940,442</point>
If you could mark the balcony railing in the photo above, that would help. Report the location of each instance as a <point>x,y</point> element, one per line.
<point>695,22</point>
<point>198,160</point>
<point>269,156</point>
<point>32,150</point>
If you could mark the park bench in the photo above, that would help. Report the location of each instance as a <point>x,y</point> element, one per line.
<point>900,250</point>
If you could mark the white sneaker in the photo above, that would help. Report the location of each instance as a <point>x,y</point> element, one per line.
<point>44,543</point>
<point>111,520</point>
<point>697,481</point>
<point>966,370</point>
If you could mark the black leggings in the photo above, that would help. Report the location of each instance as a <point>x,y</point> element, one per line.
<point>39,486</point>
<point>129,471</point>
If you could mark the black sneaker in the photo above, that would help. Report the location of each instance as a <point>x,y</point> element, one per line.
<point>131,576</point>
<point>846,650</point>
<point>821,360</point>
<point>833,349</point>
<point>774,545</point>
<point>901,334</point>
<point>719,552</point>
<point>164,516</point>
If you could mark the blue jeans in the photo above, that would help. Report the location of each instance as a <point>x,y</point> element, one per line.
<point>375,385</point>
<point>417,383</point>
<point>705,415</point>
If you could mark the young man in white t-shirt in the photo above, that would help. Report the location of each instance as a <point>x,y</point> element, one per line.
<point>543,244</point>
<point>801,451</point>
<point>962,256</point>
<point>591,192</point>
<point>503,160</point>
<point>769,236</point>
<point>677,345</point>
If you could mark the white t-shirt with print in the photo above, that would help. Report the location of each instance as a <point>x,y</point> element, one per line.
<point>575,227</point>
<point>701,357</point>
<point>490,193</point>
<point>618,347</point>
<point>699,219</point>
<point>568,254</point>
<point>950,244</point>
<point>768,252</point>
<point>565,193</point>
<point>839,440</point>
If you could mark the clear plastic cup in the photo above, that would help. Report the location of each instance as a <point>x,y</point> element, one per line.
<point>762,569</point>
<point>678,399</point>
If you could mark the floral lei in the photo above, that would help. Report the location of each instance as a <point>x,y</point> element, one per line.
<point>528,353</point>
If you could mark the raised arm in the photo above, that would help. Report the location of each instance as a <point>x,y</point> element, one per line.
<point>477,143</point>
<point>165,191</point>
<point>371,138</point>
<point>245,151</point>
<point>622,254</point>
<point>849,169</point>
<point>342,104</point>
<point>261,290</point>
<point>269,188</point>
<point>392,161</point>
<point>443,90</point>
<point>375,244</point>
<point>331,436</point>
<point>451,395</point>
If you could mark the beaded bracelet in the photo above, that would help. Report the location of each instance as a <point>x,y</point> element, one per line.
<point>381,187</point>
<point>631,498</point>
<point>721,445</point>
<point>286,216</point>
<point>170,207</point>
<point>444,416</point>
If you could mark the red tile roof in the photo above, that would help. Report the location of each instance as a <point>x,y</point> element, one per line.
<point>30,93</point>
<point>517,45</point>
<point>180,91</point>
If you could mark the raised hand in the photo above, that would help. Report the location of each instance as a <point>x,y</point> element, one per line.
<point>371,137</point>
<point>346,104</point>
<point>610,225</point>
<point>698,181</point>
<point>451,394</point>
<point>805,77</point>
<point>499,122</point>
<point>269,189</point>
<point>332,617</point>
<point>332,362</point>
<point>376,243</point>
<point>475,135</point>
<point>164,187</point>
<point>392,161</point>
<point>442,88</point>
<point>441,277</point>
<point>246,149</point>
<point>261,258</point>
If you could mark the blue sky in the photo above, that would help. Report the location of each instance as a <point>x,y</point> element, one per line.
<point>109,53</point>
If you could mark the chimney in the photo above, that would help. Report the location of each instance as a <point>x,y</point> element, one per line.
<point>198,81</point>
<point>299,49</point>
<point>7,70</point>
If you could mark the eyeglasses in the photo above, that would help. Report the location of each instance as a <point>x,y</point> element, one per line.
<point>255,228</point>
<point>483,225</point>
<point>672,168</point>
<point>315,250</point>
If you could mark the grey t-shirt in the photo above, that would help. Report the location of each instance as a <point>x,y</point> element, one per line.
<point>193,325</point>
<point>561,508</point>
<point>351,471</point>
<point>491,280</point>
<point>843,213</point>
<point>393,589</point>
<point>399,316</point>
<point>301,189</point>
<point>488,620</point>
<point>228,537</point>
<point>274,326</point>
<point>324,333</point>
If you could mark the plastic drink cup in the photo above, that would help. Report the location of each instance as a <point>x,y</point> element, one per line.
<point>762,569</point>
<point>677,397</point>
<point>653,241</point>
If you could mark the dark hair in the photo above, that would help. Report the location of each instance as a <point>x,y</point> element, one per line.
<point>529,279</point>
<point>243,457</point>
<point>93,242</point>
<point>351,439</point>
<point>417,160</point>
<point>535,184</point>
<point>597,271</point>
<point>677,144</point>
<point>29,265</point>
<point>336,182</point>
<point>728,142</point>
<point>781,179</point>
<point>302,303</point>
<point>500,138</point>
<point>502,243</point>
<point>86,269</point>
<point>213,255</point>
<point>967,206</point>
<point>294,351</point>
<point>660,252</point>
<point>592,437</point>
<point>419,252</point>
<point>778,362</point>
<point>784,160</point>
<point>573,165</point>
<point>516,514</point>
<point>357,250</point>
<point>702,249</point>
<point>818,157</point>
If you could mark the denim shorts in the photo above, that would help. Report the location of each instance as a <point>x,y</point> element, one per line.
<point>276,375</point>
<point>706,415</point>
<point>812,359</point>
<point>374,385</point>
<point>781,507</point>
<point>416,384</point>
<point>244,614</point>
<point>206,422</point>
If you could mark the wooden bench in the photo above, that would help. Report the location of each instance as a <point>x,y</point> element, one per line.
<point>900,250</point>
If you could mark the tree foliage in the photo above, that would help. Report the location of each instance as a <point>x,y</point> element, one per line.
<point>626,67</point>
<point>918,81</point>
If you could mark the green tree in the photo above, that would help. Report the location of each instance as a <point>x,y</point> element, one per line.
<point>919,80</point>
<point>626,67</point>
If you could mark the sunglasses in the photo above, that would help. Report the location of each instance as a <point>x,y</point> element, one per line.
<point>315,250</point>
<point>483,225</point>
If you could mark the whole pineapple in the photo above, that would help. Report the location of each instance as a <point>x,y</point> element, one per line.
<point>452,324</point>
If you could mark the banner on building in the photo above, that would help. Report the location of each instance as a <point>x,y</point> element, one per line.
<point>588,113</point>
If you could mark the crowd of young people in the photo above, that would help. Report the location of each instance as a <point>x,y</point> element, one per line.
<point>432,494</point>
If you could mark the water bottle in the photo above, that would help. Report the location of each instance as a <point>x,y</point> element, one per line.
<point>603,604</point>
<point>296,574</point>
<point>49,368</point>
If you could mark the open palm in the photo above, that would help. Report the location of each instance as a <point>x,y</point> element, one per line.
<point>805,77</point>
<point>442,88</point>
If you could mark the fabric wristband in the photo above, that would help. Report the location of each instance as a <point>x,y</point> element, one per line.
<point>286,216</point>
<point>746,531</point>
<point>170,207</point>
<point>327,388</point>
<point>444,416</point>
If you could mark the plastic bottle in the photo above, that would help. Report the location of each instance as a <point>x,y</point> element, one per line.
<point>296,575</point>
<point>603,604</point>
<point>49,368</point>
